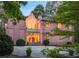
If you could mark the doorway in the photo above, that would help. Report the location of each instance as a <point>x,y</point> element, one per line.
<point>33,38</point>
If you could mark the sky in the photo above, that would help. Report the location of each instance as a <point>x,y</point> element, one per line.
<point>27,9</point>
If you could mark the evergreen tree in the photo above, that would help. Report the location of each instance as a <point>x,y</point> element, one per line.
<point>39,10</point>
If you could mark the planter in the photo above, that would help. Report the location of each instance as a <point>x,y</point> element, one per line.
<point>28,52</point>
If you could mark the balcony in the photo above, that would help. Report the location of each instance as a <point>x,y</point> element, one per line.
<point>33,30</point>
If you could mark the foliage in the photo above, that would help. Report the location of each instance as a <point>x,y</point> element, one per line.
<point>62,32</point>
<point>68,13</point>
<point>20,42</point>
<point>46,42</point>
<point>71,48</point>
<point>69,42</point>
<point>71,51</point>
<point>12,9</point>
<point>6,45</point>
<point>28,51</point>
<point>51,52</point>
<point>39,10</point>
<point>76,36</point>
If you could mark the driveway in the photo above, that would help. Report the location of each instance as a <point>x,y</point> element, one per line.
<point>36,51</point>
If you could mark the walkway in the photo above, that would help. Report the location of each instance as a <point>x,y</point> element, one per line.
<point>36,51</point>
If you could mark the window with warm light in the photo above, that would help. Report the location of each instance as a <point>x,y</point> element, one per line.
<point>59,25</point>
<point>34,37</point>
<point>31,25</point>
<point>70,27</point>
<point>47,24</point>
<point>28,37</point>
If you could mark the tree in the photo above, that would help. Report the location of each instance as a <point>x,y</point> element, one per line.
<point>68,14</point>
<point>51,7</point>
<point>10,9</point>
<point>39,10</point>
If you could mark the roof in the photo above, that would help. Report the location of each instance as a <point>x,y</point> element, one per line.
<point>47,18</point>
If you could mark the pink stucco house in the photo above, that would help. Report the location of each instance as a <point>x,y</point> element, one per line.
<point>35,30</point>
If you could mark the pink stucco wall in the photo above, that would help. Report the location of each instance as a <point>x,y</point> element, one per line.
<point>19,31</point>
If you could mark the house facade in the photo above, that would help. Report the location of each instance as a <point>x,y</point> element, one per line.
<point>35,30</point>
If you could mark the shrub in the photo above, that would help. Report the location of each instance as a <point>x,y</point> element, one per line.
<point>51,52</point>
<point>20,42</point>
<point>6,45</point>
<point>71,51</point>
<point>69,43</point>
<point>46,42</point>
<point>28,51</point>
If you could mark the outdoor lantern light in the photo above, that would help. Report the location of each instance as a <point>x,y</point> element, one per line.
<point>5,24</point>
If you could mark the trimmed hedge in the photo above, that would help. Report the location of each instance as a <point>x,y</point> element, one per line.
<point>6,45</point>
<point>20,42</point>
<point>46,42</point>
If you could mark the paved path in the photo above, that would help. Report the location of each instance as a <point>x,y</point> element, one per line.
<point>36,51</point>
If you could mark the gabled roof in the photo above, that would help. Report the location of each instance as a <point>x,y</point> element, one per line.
<point>31,17</point>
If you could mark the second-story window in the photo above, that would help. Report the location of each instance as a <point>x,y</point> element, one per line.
<point>31,25</point>
<point>59,25</point>
<point>47,24</point>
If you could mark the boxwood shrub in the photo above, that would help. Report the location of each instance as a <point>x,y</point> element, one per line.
<point>20,42</point>
<point>46,42</point>
<point>6,45</point>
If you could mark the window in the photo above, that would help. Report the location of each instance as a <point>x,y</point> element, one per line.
<point>70,27</point>
<point>33,37</point>
<point>32,25</point>
<point>47,24</point>
<point>59,25</point>
<point>28,37</point>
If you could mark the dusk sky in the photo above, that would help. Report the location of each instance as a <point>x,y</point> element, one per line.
<point>26,10</point>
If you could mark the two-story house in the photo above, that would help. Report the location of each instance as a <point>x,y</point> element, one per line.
<point>34,30</point>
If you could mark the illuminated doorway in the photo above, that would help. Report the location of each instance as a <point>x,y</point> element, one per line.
<point>33,38</point>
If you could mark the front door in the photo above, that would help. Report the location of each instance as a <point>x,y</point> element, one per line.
<point>33,38</point>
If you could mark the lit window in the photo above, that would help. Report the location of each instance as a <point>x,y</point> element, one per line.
<point>47,24</point>
<point>37,37</point>
<point>34,37</point>
<point>28,37</point>
<point>70,27</point>
<point>32,25</point>
<point>59,25</point>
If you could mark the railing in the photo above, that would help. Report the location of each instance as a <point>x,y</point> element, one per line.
<point>33,30</point>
